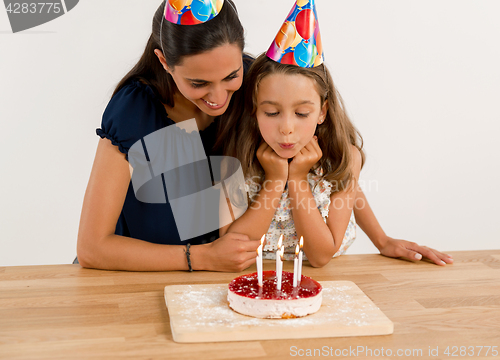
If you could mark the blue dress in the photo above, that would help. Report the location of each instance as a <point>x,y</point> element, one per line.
<point>134,112</point>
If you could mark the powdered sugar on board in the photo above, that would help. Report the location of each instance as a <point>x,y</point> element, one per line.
<point>200,313</point>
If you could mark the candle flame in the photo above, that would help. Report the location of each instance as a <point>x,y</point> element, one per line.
<point>281,253</point>
<point>297,250</point>
<point>259,250</point>
<point>301,242</point>
<point>280,241</point>
<point>263,239</point>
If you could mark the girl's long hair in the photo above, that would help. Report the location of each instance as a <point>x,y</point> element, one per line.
<point>179,41</point>
<point>335,135</point>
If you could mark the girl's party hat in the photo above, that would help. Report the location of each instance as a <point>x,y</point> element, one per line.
<point>192,12</point>
<point>299,42</point>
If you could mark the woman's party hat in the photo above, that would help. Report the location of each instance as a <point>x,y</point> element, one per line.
<point>192,12</point>
<point>299,42</point>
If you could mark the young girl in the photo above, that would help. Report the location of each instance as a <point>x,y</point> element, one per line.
<point>300,153</point>
<point>301,157</point>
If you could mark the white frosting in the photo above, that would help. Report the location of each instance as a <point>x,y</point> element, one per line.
<point>277,309</point>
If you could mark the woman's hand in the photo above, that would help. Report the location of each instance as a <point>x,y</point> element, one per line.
<point>231,253</point>
<point>275,167</point>
<point>412,251</point>
<point>305,160</point>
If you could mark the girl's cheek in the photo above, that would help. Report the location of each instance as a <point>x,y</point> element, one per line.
<point>265,136</point>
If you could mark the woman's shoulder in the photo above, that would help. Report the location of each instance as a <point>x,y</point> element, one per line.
<point>132,92</point>
<point>133,112</point>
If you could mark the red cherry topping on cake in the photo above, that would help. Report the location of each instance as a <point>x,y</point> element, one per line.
<point>247,285</point>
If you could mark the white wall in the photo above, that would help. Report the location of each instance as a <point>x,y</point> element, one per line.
<point>420,80</point>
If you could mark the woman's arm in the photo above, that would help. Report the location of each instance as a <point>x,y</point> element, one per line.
<point>322,240</point>
<point>98,247</point>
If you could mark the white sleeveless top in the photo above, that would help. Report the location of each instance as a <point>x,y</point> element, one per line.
<point>282,223</point>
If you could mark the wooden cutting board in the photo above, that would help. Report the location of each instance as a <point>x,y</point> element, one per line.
<point>200,313</point>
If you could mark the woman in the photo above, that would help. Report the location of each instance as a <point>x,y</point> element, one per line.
<point>185,72</point>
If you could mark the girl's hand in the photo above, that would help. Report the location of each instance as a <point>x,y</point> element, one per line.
<point>412,251</point>
<point>275,167</point>
<point>231,253</point>
<point>305,160</point>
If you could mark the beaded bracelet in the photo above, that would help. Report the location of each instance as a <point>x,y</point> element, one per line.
<point>188,256</point>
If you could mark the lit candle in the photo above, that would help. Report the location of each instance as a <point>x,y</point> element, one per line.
<point>296,266</point>
<point>280,272</point>
<point>259,265</point>
<point>299,273</point>
<point>280,242</point>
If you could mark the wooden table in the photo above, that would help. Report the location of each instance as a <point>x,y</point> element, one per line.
<point>66,312</point>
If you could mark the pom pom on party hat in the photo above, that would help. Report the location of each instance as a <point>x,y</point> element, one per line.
<point>299,41</point>
<point>192,12</point>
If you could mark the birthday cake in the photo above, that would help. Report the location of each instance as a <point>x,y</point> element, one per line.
<point>246,297</point>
